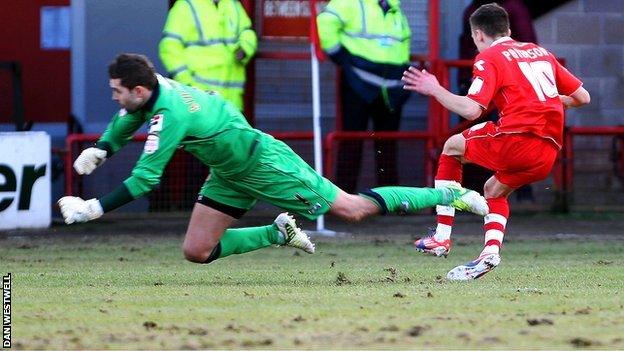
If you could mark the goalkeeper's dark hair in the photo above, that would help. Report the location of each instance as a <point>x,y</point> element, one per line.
<point>492,19</point>
<point>133,70</point>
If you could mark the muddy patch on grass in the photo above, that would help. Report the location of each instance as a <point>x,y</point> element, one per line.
<point>198,331</point>
<point>257,343</point>
<point>583,342</point>
<point>539,321</point>
<point>380,241</point>
<point>27,246</point>
<point>604,263</point>
<point>491,340</point>
<point>149,325</point>
<point>530,291</point>
<point>341,279</point>
<point>417,330</point>
<point>464,336</point>
<point>238,328</point>
<point>586,310</point>
<point>392,276</point>
<point>390,328</point>
<point>299,319</point>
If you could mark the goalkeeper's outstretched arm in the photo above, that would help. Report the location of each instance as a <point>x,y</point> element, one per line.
<point>146,174</point>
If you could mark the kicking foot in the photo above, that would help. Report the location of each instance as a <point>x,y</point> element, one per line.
<point>294,236</point>
<point>468,200</point>
<point>474,269</point>
<point>430,245</point>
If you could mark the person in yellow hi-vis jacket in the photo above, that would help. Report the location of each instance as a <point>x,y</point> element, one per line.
<point>370,41</point>
<point>206,44</point>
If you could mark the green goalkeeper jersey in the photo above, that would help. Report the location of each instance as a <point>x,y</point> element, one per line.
<point>204,124</point>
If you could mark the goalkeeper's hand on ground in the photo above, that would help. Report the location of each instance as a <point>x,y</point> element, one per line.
<point>75,209</point>
<point>89,159</point>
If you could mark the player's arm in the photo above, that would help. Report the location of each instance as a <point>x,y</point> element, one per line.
<point>426,83</point>
<point>577,99</point>
<point>247,39</point>
<point>163,138</point>
<point>117,134</point>
<point>572,92</point>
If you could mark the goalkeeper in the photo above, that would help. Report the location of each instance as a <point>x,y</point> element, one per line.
<point>246,165</point>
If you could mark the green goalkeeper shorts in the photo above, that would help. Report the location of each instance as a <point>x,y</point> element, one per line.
<point>280,178</point>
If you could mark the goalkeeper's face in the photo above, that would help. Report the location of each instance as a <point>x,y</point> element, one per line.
<point>129,99</point>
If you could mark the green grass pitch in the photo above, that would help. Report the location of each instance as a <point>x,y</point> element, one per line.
<point>359,292</point>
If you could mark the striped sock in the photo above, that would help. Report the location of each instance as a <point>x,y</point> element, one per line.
<point>494,225</point>
<point>449,172</point>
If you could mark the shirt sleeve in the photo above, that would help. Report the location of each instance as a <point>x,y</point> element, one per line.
<point>247,39</point>
<point>119,131</point>
<point>164,135</point>
<point>178,29</point>
<point>331,23</point>
<point>567,83</point>
<point>484,81</point>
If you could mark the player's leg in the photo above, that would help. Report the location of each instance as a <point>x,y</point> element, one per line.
<point>449,173</point>
<point>204,232</point>
<point>496,194</point>
<point>404,200</point>
<point>283,179</point>
<point>524,159</point>
<point>495,222</point>
<point>208,237</point>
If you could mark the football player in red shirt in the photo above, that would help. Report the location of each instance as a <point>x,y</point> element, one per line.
<point>530,89</point>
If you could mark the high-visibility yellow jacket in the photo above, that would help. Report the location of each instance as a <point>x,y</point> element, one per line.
<point>199,45</point>
<point>362,28</point>
<point>372,47</point>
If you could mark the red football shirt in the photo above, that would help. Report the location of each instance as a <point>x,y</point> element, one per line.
<point>524,82</point>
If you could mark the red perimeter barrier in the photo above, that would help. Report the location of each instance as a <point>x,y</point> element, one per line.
<point>567,171</point>
<point>332,138</point>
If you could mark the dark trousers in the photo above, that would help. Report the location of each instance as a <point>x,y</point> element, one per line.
<point>356,113</point>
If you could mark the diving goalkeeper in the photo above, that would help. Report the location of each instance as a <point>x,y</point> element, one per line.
<point>246,165</point>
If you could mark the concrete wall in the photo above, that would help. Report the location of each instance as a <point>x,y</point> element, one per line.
<point>100,31</point>
<point>590,35</point>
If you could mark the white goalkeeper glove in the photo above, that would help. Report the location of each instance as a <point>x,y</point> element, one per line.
<point>89,159</point>
<point>75,209</point>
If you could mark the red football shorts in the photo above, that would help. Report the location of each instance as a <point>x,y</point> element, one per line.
<point>517,158</point>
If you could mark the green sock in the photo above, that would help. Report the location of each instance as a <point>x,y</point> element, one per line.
<point>241,240</point>
<point>400,199</point>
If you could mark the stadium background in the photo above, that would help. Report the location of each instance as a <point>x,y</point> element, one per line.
<point>65,90</point>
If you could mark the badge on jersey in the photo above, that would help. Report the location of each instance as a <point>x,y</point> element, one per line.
<point>479,65</point>
<point>151,144</point>
<point>476,86</point>
<point>153,134</point>
<point>156,124</point>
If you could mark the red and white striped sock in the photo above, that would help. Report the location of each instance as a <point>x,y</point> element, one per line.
<point>494,224</point>
<point>449,172</point>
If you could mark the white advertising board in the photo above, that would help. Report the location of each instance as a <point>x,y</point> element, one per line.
<point>25,186</point>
